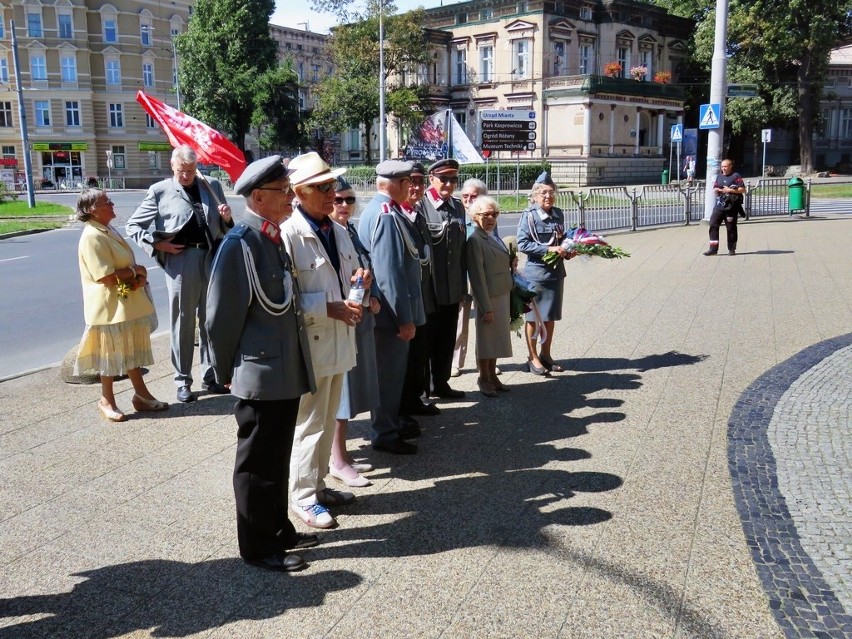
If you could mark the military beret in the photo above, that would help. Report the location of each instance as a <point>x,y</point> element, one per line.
<point>445,165</point>
<point>417,168</point>
<point>544,178</point>
<point>394,169</point>
<point>260,172</point>
<point>342,184</point>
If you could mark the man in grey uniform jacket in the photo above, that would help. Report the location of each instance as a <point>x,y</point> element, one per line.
<point>179,222</point>
<point>259,347</point>
<point>396,268</point>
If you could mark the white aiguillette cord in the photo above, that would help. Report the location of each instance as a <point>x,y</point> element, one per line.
<point>256,290</point>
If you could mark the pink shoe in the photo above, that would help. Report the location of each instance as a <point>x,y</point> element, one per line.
<point>349,476</point>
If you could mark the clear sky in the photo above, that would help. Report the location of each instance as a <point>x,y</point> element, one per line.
<point>290,13</point>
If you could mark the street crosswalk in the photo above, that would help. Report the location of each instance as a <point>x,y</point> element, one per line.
<point>837,206</point>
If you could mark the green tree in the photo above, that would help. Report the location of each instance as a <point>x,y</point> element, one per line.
<point>276,113</point>
<point>350,97</point>
<point>781,46</point>
<point>223,54</point>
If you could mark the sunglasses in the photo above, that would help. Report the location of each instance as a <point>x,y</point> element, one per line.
<point>323,188</point>
<point>447,179</point>
<point>341,200</point>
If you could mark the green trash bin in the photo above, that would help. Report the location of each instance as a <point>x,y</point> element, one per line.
<point>664,178</point>
<point>796,194</point>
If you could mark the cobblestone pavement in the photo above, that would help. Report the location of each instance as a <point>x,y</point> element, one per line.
<point>791,463</point>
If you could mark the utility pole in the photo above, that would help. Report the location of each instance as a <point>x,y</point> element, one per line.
<point>718,89</point>
<point>22,116</point>
<point>177,83</point>
<point>381,84</point>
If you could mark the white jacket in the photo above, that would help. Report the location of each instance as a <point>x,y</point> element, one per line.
<point>332,342</point>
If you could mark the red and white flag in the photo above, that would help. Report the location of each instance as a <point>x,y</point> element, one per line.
<point>210,146</point>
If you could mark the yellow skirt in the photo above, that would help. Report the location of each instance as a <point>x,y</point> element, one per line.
<point>113,349</point>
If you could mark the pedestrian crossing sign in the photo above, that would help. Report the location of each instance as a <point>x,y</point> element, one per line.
<point>708,116</point>
<point>677,133</point>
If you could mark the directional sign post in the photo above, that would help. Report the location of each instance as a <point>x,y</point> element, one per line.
<point>708,116</point>
<point>766,138</point>
<point>508,130</point>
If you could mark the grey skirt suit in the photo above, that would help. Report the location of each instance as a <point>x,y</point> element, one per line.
<point>489,268</point>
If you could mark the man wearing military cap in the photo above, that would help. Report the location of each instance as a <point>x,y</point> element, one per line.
<point>396,264</point>
<point>445,217</point>
<point>259,348</point>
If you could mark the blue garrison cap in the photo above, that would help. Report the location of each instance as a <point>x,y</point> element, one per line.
<point>342,184</point>
<point>261,172</point>
<point>544,178</point>
<point>394,169</point>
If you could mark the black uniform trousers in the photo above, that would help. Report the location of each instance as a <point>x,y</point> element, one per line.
<point>717,217</point>
<point>264,442</point>
<point>416,373</point>
<point>442,336</point>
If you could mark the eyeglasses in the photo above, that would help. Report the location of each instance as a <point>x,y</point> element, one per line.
<point>323,188</point>
<point>547,193</point>
<point>488,215</point>
<point>340,200</point>
<point>281,189</point>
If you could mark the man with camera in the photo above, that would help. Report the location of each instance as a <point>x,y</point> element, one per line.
<point>729,188</point>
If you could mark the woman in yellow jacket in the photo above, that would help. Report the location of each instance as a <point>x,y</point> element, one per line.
<point>118,313</point>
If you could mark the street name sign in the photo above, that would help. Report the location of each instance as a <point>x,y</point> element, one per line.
<point>512,125</point>
<point>507,114</point>
<point>742,90</point>
<point>507,146</point>
<point>507,136</point>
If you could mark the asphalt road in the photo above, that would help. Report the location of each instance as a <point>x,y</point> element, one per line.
<point>41,305</point>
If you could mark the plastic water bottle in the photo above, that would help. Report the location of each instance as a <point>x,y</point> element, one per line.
<point>357,293</point>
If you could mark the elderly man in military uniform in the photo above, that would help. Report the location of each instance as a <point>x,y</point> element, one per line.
<point>189,215</point>
<point>445,217</point>
<point>397,269</point>
<point>259,347</point>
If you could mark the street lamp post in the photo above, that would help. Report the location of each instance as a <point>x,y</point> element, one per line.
<point>381,84</point>
<point>22,115</point>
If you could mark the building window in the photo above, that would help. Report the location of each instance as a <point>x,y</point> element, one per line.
<point>315,72</point>
<point>145,34</point>
<point>559,62</point>
<point>148,74</point>
<point>153,160</point>
<point>461,66</point>
<point>585,13</point>
<point>301,71</point>
<point>38,67</point>
<point>2,31</point>
<point>118,156</point>
<point>4,70</point>
<point>42,112</point>
<point>116,115</point>
<point>845,132</point>
<point>113,72</point>
<point>110,30</point>
<point>72,113</point>
<point>486,14</point>
<point>521,68</point>
<point>647,58</point>
<point>461,18</point>
<point>461,118</point>
<point>150,123</point>
<point>68,64</point>
<point>66,26</point>
<point>8,151</point>
<point>303,100</point>
<point>486,64</point>
<point>586,53</point>
<point>523,6</point>
<point>623,55</point>
<point>34,25</point>
<point>5,114</point>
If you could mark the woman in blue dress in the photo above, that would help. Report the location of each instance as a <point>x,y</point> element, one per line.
<point>541,231</point>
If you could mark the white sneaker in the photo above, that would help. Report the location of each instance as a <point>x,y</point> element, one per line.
<point>455,372</point>
<point>315,516</point>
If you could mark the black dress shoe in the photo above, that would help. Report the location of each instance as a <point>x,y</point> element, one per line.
<point>396,447</point>
<point>445,392</point>
<point>407,420</point>
<point>302,541</point>
<point>424,409</point>
<point>216,388</point>
<point>185,394</point>
<point>408,431</point>
<point>280,563</point>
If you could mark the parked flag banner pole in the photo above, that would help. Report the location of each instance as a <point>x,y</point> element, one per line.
<point>210,146</point>
<point>22,115</point>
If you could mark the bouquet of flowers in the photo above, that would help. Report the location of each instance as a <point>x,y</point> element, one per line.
<point>520,299</point>
<point>579,241</point>
<point>638,72</point>
<point>612,69</point>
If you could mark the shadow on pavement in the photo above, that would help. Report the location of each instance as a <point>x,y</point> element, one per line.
<point>168,598</point>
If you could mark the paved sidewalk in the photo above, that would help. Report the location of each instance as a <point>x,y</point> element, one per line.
<point>703,395</point>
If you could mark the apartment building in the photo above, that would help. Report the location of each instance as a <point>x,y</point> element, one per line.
<point>569,62</point>
<point>81,64</point>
